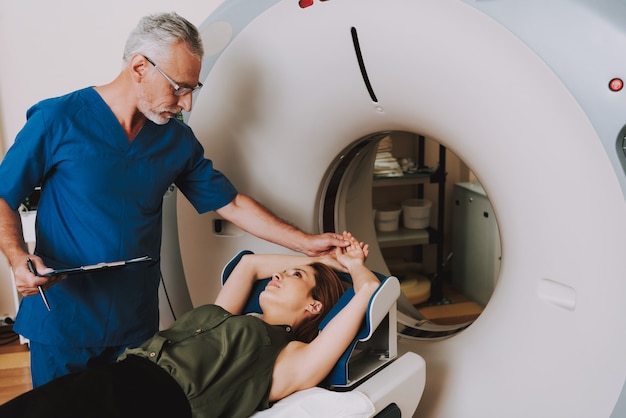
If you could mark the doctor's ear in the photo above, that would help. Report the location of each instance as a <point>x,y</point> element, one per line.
<point>137,66</point>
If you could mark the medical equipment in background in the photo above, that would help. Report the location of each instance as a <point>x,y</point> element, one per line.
<point>475,242</point>
<point>528,93</point>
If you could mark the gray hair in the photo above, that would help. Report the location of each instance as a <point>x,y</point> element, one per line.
<point>156,32</point>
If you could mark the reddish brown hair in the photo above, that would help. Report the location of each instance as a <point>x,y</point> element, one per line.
<point>328,289</point>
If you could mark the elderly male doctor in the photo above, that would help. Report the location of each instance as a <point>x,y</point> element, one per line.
<point>104,157</point>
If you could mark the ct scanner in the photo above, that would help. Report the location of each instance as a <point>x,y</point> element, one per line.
<point>526,92</point>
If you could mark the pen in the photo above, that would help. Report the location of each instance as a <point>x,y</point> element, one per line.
<point>31,267</point>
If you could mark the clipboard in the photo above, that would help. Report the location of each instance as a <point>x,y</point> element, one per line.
<point>99,267</point>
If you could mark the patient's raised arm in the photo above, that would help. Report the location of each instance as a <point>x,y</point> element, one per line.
<point>353,259</point>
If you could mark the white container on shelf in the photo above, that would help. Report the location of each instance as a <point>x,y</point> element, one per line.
<point>416,213</point>
<point>388,218</point>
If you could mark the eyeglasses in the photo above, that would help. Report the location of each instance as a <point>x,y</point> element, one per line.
<point>178,90</point>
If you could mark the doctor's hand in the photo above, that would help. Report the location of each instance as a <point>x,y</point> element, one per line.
<point>326,243</point>
<point>26,281</point>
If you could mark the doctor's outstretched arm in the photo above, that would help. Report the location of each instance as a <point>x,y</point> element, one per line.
<point>251,216</point>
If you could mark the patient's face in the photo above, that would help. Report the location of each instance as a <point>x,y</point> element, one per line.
<point>291,288</point>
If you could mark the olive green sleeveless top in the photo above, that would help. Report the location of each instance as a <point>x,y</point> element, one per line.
<point>223,362</point>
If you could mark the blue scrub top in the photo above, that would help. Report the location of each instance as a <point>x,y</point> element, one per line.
<point>101,201</point>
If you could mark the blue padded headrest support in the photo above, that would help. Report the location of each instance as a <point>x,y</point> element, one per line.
<point>343,301</point>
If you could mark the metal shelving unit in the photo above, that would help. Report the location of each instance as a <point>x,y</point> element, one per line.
<point>410,237</point>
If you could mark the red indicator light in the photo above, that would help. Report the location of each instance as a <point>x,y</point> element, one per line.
<point>305,3</point>
<point>616,84</point>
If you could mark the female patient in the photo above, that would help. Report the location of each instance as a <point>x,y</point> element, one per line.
<point>215,362</point>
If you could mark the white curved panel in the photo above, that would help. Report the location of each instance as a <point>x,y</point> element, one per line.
<point>286,96</point>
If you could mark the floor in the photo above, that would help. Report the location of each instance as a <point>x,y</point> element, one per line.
<point>14,357</point>
<point>14,366</point>
<point>456,308</point>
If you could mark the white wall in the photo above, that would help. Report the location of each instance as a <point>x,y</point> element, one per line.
<point>51,48</point>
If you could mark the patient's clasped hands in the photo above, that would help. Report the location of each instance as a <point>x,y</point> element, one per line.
<point>354,254</point>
